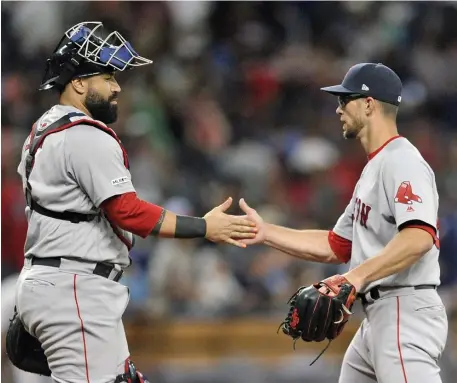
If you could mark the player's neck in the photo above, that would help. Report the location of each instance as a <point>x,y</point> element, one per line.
<point>377,135</point>
<point>65,100</point>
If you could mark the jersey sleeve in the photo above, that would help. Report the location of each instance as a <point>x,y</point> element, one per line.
<point>344,225</point>
<point>410,188</point>
<point>95,161</point>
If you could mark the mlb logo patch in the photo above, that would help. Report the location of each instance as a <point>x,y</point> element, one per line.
<point>119,181</point>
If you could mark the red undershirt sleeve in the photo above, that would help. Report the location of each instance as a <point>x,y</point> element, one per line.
<point>132,214</point>
<point>340,246</point>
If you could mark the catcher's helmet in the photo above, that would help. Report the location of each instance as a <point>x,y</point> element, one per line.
<point>83,52</point>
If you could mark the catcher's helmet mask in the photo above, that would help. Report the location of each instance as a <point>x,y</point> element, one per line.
<point>83,52</point>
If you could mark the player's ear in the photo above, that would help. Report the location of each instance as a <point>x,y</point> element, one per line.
<point>79,85</point>
<point>369,105</point>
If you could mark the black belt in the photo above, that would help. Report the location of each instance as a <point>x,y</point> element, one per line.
<point>374,292</point>
<point>102,269</point>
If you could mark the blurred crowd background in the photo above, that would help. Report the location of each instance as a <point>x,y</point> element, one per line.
<point>231,107</point>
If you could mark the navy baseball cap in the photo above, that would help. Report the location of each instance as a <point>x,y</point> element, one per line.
<point>369,79</point>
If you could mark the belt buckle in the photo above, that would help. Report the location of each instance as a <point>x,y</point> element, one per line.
<point>374,293</point>
<point>370,296</point>
<point>118,276</point>
<point>108,271</point>
<point>115,273</point>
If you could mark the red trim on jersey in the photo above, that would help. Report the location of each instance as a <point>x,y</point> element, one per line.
<point>428,229</point>
<point>30,137</point>
<point>82,329</point>
<point>342,247</point>
<point>95,123</point>
<point>398,340</point>
<point>373,154</point>
<point>132,214</point>
<point>87,121</point>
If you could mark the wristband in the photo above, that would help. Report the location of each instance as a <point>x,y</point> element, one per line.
<point>190,227</point>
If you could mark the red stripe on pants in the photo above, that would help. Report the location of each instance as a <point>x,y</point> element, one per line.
<point>398,340</point>
<point>82,329</point>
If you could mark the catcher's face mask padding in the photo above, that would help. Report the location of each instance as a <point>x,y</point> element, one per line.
<point>83,52</point>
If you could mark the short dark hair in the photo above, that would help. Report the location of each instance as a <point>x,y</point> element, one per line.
<point>389,110</point>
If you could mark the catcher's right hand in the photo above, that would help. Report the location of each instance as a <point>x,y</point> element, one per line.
<point>232,229</point>
<point>320,311</point>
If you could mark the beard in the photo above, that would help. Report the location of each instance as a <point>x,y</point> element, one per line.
<point>353,131</point>
<point>101,109</point>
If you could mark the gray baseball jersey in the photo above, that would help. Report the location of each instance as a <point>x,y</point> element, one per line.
<point>75,170</point>
<point>396,186</point>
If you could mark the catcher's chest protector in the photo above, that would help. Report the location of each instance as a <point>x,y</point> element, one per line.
<point>42,129</point>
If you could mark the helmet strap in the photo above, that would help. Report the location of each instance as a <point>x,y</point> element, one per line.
<point>69,69</point>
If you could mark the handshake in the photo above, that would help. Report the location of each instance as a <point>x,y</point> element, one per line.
<point>236,230</point>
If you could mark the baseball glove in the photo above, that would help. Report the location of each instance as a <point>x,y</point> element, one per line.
<point>24,350</point>
<point>320,311</point>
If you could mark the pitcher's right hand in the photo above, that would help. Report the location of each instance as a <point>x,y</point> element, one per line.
<point>222,227</point>
<point>253,216</point>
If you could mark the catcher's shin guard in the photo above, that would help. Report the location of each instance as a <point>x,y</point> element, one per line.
<point>131,375</point>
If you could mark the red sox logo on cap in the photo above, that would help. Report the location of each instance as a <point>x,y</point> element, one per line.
<point>405,194</point>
